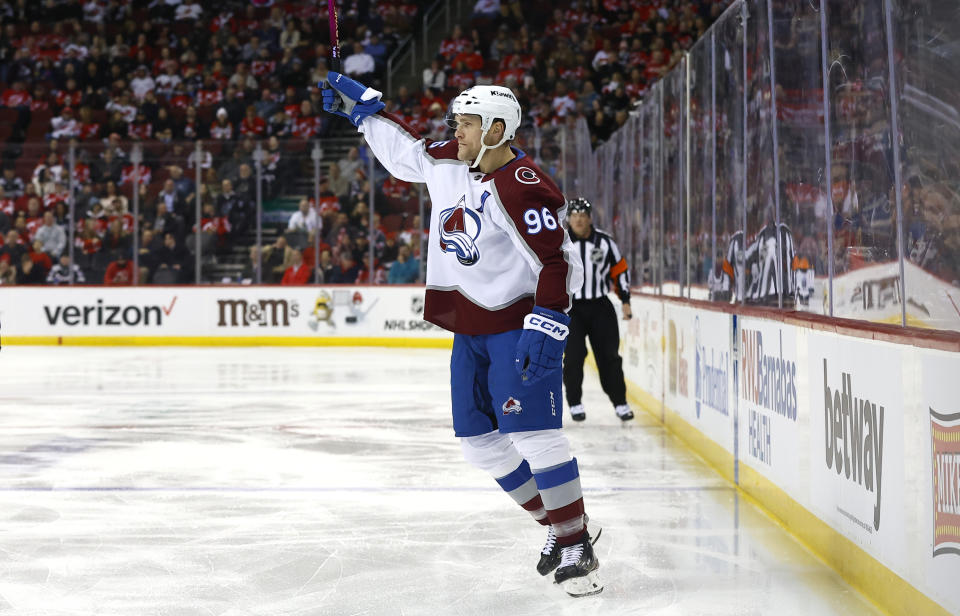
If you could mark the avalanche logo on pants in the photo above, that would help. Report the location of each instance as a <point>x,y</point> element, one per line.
<point>459,229</point>
<point>512,405</point>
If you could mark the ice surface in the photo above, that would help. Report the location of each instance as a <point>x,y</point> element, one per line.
<point>183,481</point>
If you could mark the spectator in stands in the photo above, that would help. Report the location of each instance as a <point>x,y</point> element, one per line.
<point>304,219</point>
<point>40,259</point>
<point>221,128</point>
<point>107,169</point>
<point>147,253</point>
<point>290,37</point>
<point>171,197</point>
<point>245,184</point>
<point>173,257</point>
<point>348,272</point>
<point>29,272</point>
<point>13,247</point>
<point>13,186</point>
<point>405,269</point>
<point>142,83</point>
<point>242,80</point>
<point>188,11</point>
<point>327,266</point>
<point>252,124</point>
<point>337,183</point>
<point>64,125</point>
<point>63,270</point>
<point>8,274</point>
<point>350,163</point>
<point>360,64</point>
<point>113,196</point>
<point>299,272</point>
<point>237,209</point>
<point>51,236</point>
<point>119,271</point>
<point>183,184</point>
<point>277,257</point>
<point>165,221</point>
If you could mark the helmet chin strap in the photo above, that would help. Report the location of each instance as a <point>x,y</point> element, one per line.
<point>484,147</point>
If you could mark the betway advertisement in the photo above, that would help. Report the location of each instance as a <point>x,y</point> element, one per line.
<point>856,440</point>
<point>770,422</point>
<point>229,311</point>
<point>940,401</point>
<point>700,370</point>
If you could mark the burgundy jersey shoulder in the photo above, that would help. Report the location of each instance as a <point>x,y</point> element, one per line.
<point>521,182</point>
<point>438,150</point>
<point>441,150</point>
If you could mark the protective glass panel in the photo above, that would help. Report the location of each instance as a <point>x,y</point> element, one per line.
<point>730,151</point>
<point>757,264</point>
<point>804,211</point>
<point>674,114</point>
<point>701,157</point>
<point>927,34</point>
<point>866,267</point>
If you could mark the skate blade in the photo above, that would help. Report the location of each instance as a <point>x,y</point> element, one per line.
<point>583,586</point>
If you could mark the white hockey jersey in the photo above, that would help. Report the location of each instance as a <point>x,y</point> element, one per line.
<point>497,241</point>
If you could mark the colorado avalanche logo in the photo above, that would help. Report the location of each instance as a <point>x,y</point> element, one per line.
<point>512,405</point>
<point>459,229</point>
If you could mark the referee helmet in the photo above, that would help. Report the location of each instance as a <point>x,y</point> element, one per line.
<point>579,205</point>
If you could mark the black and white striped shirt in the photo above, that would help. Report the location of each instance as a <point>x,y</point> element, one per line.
<point>602,264</point>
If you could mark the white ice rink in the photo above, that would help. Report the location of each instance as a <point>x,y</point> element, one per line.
<point>180,481</point>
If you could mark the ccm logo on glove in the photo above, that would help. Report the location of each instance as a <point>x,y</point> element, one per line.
<point>555,330</point>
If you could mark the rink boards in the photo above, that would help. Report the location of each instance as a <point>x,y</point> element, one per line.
<point>220,315</point>
<point>853,442</point>
<point>849,435</point>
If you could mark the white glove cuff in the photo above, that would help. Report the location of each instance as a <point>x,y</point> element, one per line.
<point>546,325</point>
<point>370,94</point>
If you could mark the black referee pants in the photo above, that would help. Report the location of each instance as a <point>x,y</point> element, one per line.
<point>596,319</point>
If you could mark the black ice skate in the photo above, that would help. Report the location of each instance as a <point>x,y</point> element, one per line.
<point>550,554</point>
<point>577,573</point>
<point>624,412</point>
<point>577,413</point>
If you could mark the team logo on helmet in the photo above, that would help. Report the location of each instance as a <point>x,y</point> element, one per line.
<point>512,405</point>
<point>459,229</point>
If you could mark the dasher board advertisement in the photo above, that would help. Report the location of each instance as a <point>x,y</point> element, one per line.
<point>940,526</point>
<point>699,370</point>
<point>856,440</point>
<point>770,421</point>
<point>642,346</point>
<point>304,312</point>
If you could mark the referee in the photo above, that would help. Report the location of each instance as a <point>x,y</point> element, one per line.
<point>593,315</point>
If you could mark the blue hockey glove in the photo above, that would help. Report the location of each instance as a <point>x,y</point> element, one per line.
<point>540,348</point>
<point>348,98</point>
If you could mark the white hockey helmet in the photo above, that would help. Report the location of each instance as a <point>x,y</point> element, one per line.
<point>490,103</point>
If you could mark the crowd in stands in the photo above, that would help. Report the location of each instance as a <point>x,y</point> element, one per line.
<point>101,77</point>
<point>107,74</point>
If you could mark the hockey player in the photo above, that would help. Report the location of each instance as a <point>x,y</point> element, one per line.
<point>500,277</point>
<point>593,315</point>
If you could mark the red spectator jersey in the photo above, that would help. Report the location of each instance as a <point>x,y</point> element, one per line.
<point>15,98</point>
<point>297,275</point>
<point>256,127</point>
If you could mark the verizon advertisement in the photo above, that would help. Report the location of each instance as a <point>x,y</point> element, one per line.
<point>856,440</point>
<point>303,312</point>
<point>770,422</point>
<point>941,498</point>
